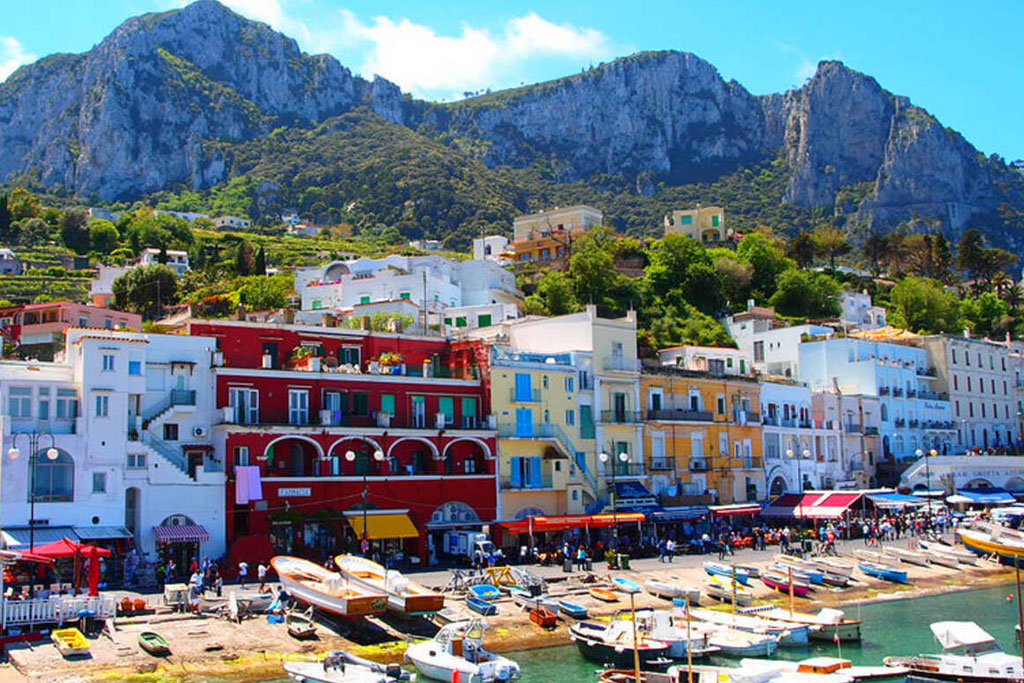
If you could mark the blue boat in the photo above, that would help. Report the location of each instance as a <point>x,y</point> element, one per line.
<point>627,586</point>
<point>881,571</point>
<point>572,609</point>
<point>726,571</point>
<point>803,573</point>
<point>485,591</point>
<point>481,606</point>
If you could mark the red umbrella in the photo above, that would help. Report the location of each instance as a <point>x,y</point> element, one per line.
<point>65,547</point>
<point>94,571</point>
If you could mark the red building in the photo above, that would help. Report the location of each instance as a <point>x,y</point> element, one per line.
<point>328,417</point>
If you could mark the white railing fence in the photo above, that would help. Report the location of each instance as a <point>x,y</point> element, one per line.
<point>56,610</point>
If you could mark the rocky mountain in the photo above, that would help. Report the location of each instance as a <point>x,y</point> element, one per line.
<point>193,97</point>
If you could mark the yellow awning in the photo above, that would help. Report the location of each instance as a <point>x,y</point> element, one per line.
<point>389,525</point>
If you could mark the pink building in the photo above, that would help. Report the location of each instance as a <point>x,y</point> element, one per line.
<point>38,329</point>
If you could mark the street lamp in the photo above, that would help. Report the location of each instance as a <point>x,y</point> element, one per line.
<point>378,455</point>
<point>33,447</point>
<point>624,458</point>
<point>928,481</point>
<point>790,453</point>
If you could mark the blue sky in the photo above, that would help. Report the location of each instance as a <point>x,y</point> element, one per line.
<point>961,61</point>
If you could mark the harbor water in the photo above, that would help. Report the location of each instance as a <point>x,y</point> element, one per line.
<point>897,627</point>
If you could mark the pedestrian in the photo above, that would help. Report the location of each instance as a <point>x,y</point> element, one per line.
<point>218,582</point>
<point>261,572</point>
<point>170,571</point>
<point>581,558</point>
<point>243,572</point>
<point>662,550</point>
<point>670,549</point>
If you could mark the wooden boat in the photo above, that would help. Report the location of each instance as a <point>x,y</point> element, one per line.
<point>723,589</point>
<point>779,581</point>
<point>459,647</point>
<point>939,558</point>
<point>962,555</point>
<point>726,571</point>
<point>481,606</point>
<point>70,642</point>
<point>300,625</point>
<point>909,556</point>
<point>405,596</point>
<point>342,667</point>
<point>805,574</point>
<point>604,595</point>
<point>527,600</point>
<point>883,571</point>
<point>789,634</point>
<point>826,624</point>
<point>832,566</point>
<point>450,615</point>
<point>875,556</point>
<point>485,591</point>
<point>312,584</point>
<point>733,642</point>
<point>543,617</point>
<point>154,643</point>
<point>613,643</point>
<point>824,668</point>
<point>671,590</point>
<point>626,586</point>
<point>571,609</point>
<point>969,655</point>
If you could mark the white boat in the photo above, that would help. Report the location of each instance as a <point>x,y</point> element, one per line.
<point>941,559</point>
<point>672,590</point>
<point>404,595</point>
<point>825,625</point>
<point>724,589</point>
<point>962,555</point>
<point>788,634</point>
<point>683,639</point>
<point>909,556</point>
<point>814,668</point>
<point>876,557</point>
<point>341,667</point>
<point>460,647</point>
<point>310,583</point>
<point>528,601</point>
<point>832,566</point>
<point>732,642</point>
<point>969,655</point>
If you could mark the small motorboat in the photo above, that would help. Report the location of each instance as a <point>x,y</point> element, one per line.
<point>727,571</point>
<point>571,609</point>
<point>480,606</point>
<point>626,586</point>
<point>969,655</point>
<point>671,590</point>
<point>70,642</point>
<point>154,644</point>
<point>613,643</point>
<point>527,600</point>
<point>827,624</point>
<point>604,595</point>
<point>404,595</point>
<point>724,589</point>
<point>544,618</point>
<point>341,667</point>
<point>485,591</point>
<point>779,581</point>
<point>300,625</point>
<point>796,635</point>
<point>909,556</point>
<point>732,642</point>
<point>825,668</point>
<point>458,647</point>
<point>883,571</point>
<point>685,639</point>
<point>835,580</point>
<point>310,583</point>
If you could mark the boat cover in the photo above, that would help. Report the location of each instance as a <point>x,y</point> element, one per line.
<point>953,634</point>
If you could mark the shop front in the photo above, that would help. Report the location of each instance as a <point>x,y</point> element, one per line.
<point>179,539</point>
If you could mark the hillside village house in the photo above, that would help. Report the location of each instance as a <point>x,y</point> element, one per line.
<point>548,235</point>
<point>706,224</point>
<point>10,264</point>
<point>38,330</point>
<point>177,260</point>
<point>232,223</point>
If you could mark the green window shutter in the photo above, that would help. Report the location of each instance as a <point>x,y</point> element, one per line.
<point>360,403</point>
<point>446,405</point>
<point>364,299</point>
<point>387,403</point>
<point>468,407</point>
<point>417,399</point>
<point>714,220</point>
<point>483,320</point>
<point>317,303</point>
<point>362,463</point>
<point>460,321</point>
<point>404,295</point>
<point>448,322</point>
<point>686,220</point>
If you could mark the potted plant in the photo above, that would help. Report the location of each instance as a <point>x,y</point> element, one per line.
<point>389,360</point>
<point>611,559</point>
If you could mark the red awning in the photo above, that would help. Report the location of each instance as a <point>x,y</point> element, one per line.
<point>791,504</point>
<point>831,505</point>
<point>738,509</point>
<point>68,548</point>
<point>821,505</point>
<point>540,523</point>
<point>181,533</point>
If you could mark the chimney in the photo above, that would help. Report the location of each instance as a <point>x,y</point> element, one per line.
<point>967,333</point>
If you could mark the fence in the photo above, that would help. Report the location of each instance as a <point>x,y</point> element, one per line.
<point>56,610</point>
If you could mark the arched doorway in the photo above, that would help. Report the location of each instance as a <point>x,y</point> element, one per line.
<point>778,487</point>
<point>181,552</point>
<point>978,484</point>
<point>293,456</point>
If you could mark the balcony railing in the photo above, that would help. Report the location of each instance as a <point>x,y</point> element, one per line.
<point>746,415</point>
<point>900,422</point>
<point>620,364</point>
<point>699,465</point>
<point>770,420</point>
<point>663,464</point>
<point>183,397</point>
<point>806,424</point>
<point>787,422</point>
<point>680,415</point>
<point>854,427</point>
<point>621,416</point>
<point>883,391</point>
<point>925,372</point>
<point>622,469</point>
<point>871,431</point>
<point>543,482</point>
<point>913,423</point>
<point>538,430</point>
<point>525,395</point>
<point>911,393</point>
<point>932,396</point>
<point>896,391</point>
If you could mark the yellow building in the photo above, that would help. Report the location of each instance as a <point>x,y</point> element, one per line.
<point>704,223</point>
<point>548,235</point>
<point>702,436</point>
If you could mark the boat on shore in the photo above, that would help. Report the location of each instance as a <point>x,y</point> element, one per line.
<point>604,595</point>
<point>571,609</point>
<point>485,591</point>
<point>780,581</point>
<point>154,644</point>
<point>816,668</point>
<point>988,539</point>
<point>626,586</point>
<point>613,643</point>
<point>969,654</point>
<point>482,607</point>
<point>527,600</point>
<point>726,590</point>
<point>875,556</point>
<point>70,642</point>
<point>826,624</point>
<point>883,571</point>
<point>832,566</point>
<point>805,574</point>
<point>342,667</point>
<point>543,617</point>
<point>458,647</point>
<point>670,590</point>
<point>300,625</point>
<point>310,583</point>
<point>909,556</point>
<point>790,635</point>
<point>727,571</point>
<point>962,555</point>
<point>405,596</point>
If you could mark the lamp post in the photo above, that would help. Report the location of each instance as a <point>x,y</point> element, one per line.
<point>790,453</point>
<point>33,447</point>
<point>378,455</point>
<point>605,458</point>
<point>928,481</point>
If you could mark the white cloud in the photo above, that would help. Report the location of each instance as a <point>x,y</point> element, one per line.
<point>420,60</point>
<point>806,67</point>
<point>12,55</point>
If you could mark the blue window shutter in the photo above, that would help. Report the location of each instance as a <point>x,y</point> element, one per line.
<point>515,464</point>
<point>535,476</point>
<point>524,422</point>
<point>524,386</point>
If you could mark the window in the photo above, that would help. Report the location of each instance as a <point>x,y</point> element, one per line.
<point>67,404</point>
<point>956,383</point>
<point>968,383</point>
<point>245,404</point>
<point>108,324</point>
<point>83,321</point>
<point>349,354</point>
<point>957,408</point>
<point>360,403</point>
<point>446,406</point>
<point>170,431</point>
<point>43,412</point>
<point>99,482</point>
<point>108,362</point>
<point>544,381</point>
<point>954,355</point>
<point>364,299</point>
<point>242,455</point>
<point>993,386</point>
<point>759,352</point>
<point>483,320</point>
<point>387,403</point>
<point>136,461</point>
<point>54,479</point>
<point>524,386</point>
<point>469,464</point>
<point>298,406</point>
<point>547,416</point>
<point>570,417</point>
<point>723,444</point>
<point>656,399</point>
<point>102,405</point>
<point>970,409</point>
<point>967,359</point>
<point>715,220</point>
<point>469,412</point>
<point>694,400</point>
<point>721,405</point>
<point>134,367</point>
<point>570,384</point>
<point>19,402</point>
<point>405,295</point>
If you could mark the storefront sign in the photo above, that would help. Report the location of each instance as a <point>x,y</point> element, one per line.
<point>303,492</point>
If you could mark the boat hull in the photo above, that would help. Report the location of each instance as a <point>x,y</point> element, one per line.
<point>782,586</point>
<point>884,573</point>
<point>571,609</point>
<point>481,606</point>
<point>361,606</point>
<point>603,653</point>
<point>1008,554</point>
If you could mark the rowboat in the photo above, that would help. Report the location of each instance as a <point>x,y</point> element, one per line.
<point>827,624</point>
<point>300,625</point>
<point>824,668</point>
<point>481,606</point>
<point>70,642</point>
<point>613,643</point>
<point>485,591</point>
<point>940,559</point>
<point>805,574</point>
<point>449,615</point>
<point>312,584</point>
<point>604,595</point>
<point>154,643</point>
<point>732,642</point>
<point>883,571</point>
<point>779,581</point>
<point>405,596</point>
<point>724,590</point>
<point>626,586</point>
<point>727,571</point>
<point>571,609</point>
<point>341,667</point>
<point>671,590</point>
<point>876,557</point>
<point>527,600</point>
<point>543,617</point>
<point>457,653</point>
<point>833,566</point>
<point>962,555</point>
<point>909,556</point>
<point>787,634</point>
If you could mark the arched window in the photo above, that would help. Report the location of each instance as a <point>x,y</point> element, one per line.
<point>54,480</point>
<point>885,413</point>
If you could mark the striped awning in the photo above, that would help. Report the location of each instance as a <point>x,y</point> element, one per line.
<point>181,533</point>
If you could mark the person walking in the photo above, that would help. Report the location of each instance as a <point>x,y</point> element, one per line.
<point>581,558</point>
<point>670,549</point>
<point>243,573</point>
<point>662,550</point>
<point>261,572</point>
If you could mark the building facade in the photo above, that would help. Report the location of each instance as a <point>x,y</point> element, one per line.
<point>548,235</point>
<point>705,224</point>
<point>38,330</point>
<point>176,260</point>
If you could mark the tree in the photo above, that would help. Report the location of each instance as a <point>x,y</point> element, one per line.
<point>103,237</point>
<point>74,229</point>
<point>671,258</point>
<point>555,292</point>
<point>735,275</point>
<point>942,258</point>
<point>260,265</point>
<point>831,243</point>
<point>802,249</point>
<point>22,204</point>
<point>875,250</point>
<point>686,325</point>
<point>768,261</point>
<point>923,305</point>
<point>703,288</point>
<point>970,253</point>
<point>806,295</point>
<point>985,314</point>
<point>245,258</point>
<point>262,293</point>
<point>34,232</point>
<point>6,231</point>
<point>146,290</point>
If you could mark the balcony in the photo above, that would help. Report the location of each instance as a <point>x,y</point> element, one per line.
<point>620,364</point>
<point>871,431</point>
<point>525,396</point>
<point>925,372</point>
<point>806,424</point>
<point>183,397</point>
<point>746,416</point>
<point>621,416</point>
<point>663,464</point>
<point>883,391</point>
<point>896,391</point>
<point>932,396</point>
<point>854,427</point>
<point>699,465</point>
<point>770,420</point>
<point>787,422</point>
<point>679,415</point>
<point>913,423</point>
<point>900,422</point>
<point>509,484</point>
<point>911,393</point>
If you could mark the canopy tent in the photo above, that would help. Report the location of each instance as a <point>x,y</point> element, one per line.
<point>68,548</point>
<point>382,524</point>
<point>982,496</point>
<point>953,634</point>
<point>816,505</point>
<point>895,501</point>
<point>541,523</point>
<point>12,556</point>
<point>735,509</point>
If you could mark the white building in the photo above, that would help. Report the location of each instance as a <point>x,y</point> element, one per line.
<point>304,229</point>
<point>101,289</point>
<point>10,264</point>
<point>190,216</point>
<point>711,359</point>
<point>772,345</point>
<point>130,416</point>
<point>290,217</point>
<point>176,260</point>
<point>490,248</point>
<point>858,312</point>
<point>232,222</point>
<point>570,219</point>
<point>951,473</point>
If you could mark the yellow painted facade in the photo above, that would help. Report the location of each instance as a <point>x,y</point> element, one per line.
<point>704,223</point>
<point>702,436</point>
